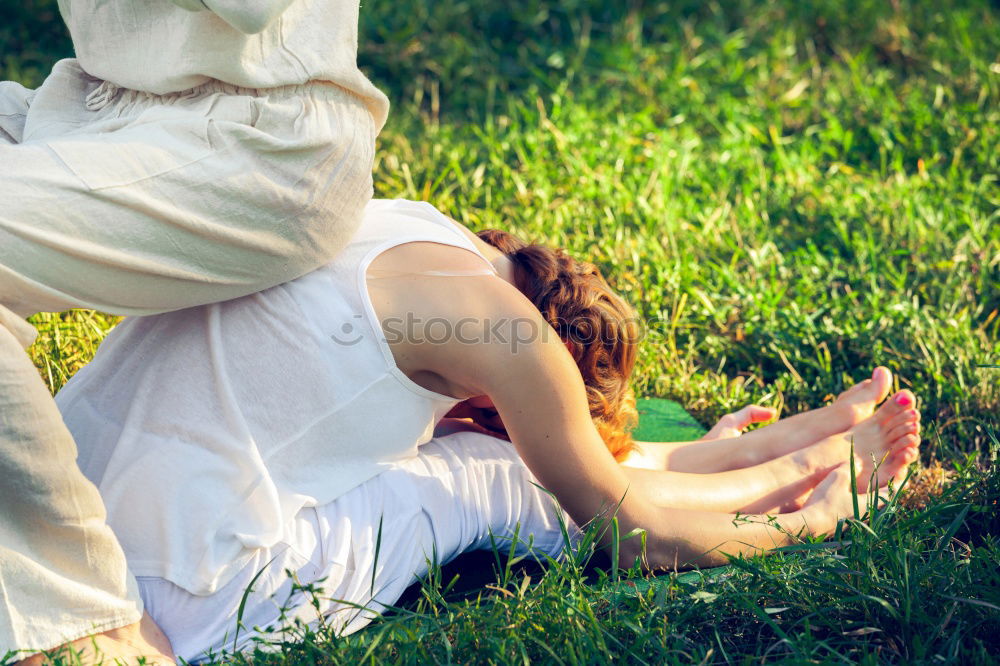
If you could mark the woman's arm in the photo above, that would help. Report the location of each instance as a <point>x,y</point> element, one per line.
<point>534,383</point>
<point>247,16</point>
<point>694,532</point>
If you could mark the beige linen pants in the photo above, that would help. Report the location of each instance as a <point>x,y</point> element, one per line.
<point>134,203</point>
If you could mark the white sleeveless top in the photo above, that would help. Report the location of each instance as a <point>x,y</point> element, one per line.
<point>208,429</point>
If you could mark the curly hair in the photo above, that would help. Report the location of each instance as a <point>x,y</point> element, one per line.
<point>576,300</point>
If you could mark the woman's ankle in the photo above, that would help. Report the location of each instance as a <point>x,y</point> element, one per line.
<point>821,457</point>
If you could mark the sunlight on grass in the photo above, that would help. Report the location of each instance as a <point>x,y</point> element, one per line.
<point>790,194</point>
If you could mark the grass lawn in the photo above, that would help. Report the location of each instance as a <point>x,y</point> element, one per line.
<point>790,193</point>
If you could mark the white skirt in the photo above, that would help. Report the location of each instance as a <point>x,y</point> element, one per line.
<point>372,543</point>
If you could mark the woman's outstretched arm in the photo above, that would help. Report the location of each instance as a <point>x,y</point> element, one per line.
<point>537,389</point>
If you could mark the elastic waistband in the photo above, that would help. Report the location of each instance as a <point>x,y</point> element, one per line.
<point>107,93</point>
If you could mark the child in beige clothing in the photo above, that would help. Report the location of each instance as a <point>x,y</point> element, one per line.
<point>194,151</point>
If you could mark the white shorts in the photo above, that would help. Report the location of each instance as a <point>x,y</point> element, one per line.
<point>462,492</point>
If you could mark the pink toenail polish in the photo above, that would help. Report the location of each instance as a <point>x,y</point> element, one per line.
<point>903,400</point>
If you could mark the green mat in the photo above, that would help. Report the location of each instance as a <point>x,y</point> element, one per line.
<point>665,421</point>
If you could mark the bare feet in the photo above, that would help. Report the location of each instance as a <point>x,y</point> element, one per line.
<point>831,500</point>
<point>142,641</point>
<point>886,441</point>
<point>858,402</point>
<point>725,449</point>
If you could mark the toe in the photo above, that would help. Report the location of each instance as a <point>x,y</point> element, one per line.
<point>900,418</point>
<point>895,465</point>
<point>897,404</point>
<point>910,440</point>
<point>899,462</point>
<point>905,398</point>
<point>881,381</point>
<point>898,432</point>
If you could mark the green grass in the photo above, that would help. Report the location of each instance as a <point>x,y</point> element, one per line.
<point>790,193</point>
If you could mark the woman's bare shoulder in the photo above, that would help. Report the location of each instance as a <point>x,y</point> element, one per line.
<point>441,305</point>
<point>428,258</point>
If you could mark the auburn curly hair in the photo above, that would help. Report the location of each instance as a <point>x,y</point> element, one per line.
<point>576,300</point>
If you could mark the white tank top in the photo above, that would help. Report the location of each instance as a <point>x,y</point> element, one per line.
<point>208,429</point>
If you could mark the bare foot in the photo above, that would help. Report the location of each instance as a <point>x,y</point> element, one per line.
<point>143,641</point>
<point>879,439</point>
<point>886,441</point>
<point>832,500</point>
<point>858,402</point>
<point>891,467</point>
<point>725,449</point>
<point>850,408</point>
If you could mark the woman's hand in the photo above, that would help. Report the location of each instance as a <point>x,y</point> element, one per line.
<point>733,424</point>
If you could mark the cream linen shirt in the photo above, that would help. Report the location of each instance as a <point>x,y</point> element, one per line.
<point>165,46</point>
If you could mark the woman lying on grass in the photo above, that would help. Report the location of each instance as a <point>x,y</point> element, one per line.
<point>281,431</point>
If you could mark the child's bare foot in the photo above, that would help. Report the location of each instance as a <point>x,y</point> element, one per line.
<point>886,440</point>
<point>142,642</point>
